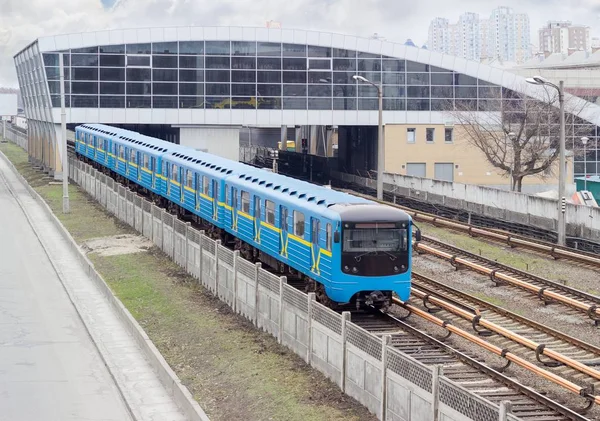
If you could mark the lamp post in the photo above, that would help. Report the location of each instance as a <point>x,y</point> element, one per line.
<point>380,141</point>
<point>538,80</point>
<point>584,140</point>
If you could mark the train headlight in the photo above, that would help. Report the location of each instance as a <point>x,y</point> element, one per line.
<point>396,269</point>
<point>354,270</point>
<point>346,268</point>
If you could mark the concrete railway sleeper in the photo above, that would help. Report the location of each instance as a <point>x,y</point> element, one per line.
<point>586,393</point>
<point>500,277</point>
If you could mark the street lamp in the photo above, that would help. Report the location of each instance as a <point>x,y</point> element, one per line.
<point>538,80</point>
<point>380,141</point>
<point>584,140</point>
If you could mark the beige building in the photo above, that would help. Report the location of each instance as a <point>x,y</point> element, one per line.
<point>443,152</point>
<point>559,37</point>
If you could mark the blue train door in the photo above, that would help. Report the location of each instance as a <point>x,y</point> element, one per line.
<point>257,219</point>
<point>215,195</point>
<point>153,171</point>
<point>283,224</point>
<point>140,164</point>
<point>315,225</point>
<point>182,184</point>
<point>198,190</point>
<point>234,208</point>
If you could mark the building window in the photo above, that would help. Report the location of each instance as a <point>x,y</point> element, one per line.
<point>411,135</point>
<point>430,135</point>
<point>448,135</point>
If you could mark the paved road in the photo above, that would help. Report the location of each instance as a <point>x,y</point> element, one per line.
<point>50,367</point>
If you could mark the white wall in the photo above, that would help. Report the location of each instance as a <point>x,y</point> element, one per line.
<point>222,141</point>
<point>8,104</point>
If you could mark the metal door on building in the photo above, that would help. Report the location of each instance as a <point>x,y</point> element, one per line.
<point>416,169</point>
<point>444,171</point>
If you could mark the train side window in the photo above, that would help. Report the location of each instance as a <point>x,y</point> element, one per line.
<point>328,237</point>
<point>270,212</point>
<point>316,225</point>
<point>146,161</point>
<point>299,224</point>
<point>234,198</point>
<point>174,172</point>
<point>165,169</point>
<point>245,201</point>
<point>206,183</point>
<point>257,207</point>
<point>188,178</point>
<point>122,152</point>
<point>226,194</point>
<point>283,218</point>
<point>100,143</point>
<point>132,156</point>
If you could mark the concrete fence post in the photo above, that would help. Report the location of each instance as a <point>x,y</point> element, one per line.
<point>309,346</point>
<point>236,255</point>
<point>201,261</point>
<point>187,242</point>
<point>437,372</point>
<point>345,319</point>
<point>257,268</point>
<point>385,342</point>
<point>505,409</point>
<point>282,282</point>
<point>217,244</point>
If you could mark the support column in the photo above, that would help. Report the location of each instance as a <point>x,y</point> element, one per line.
<point>284,134</point>
<point>313,139</point>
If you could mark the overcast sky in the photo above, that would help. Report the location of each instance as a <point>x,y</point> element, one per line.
<point>396,20</point>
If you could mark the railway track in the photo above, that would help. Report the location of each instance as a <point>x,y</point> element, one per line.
<point>546,290</point>
<point>464,369</point>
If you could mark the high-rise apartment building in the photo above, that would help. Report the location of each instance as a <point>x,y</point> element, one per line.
<point>505,36</point>
<point>560,36</point>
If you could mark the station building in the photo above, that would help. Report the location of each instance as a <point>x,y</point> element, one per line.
<point>204,86</point>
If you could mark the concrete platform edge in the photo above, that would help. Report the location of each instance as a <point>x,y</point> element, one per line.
<point>181,395</point>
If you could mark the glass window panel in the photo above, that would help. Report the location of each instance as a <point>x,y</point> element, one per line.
<point>442,91</point>
<point>164,47</point>
<point>374,77</point>
<point>112,101</point>
<point>337,52</point>
<point>268,90</point>
<point>217,102</point>
<point>394,104</point>
<point>218,76</point>
<point>461,92</point>
<point>344,90</point>
<point>435,69</point>
<point>164,88</point>
<point>368,104</point>
<point>191,102</point>
<point>344,103</point>
<point>394,78</point>
<point>166,75</point>
<point>54,87</point>
<point>294,64</point>
<point>243,62</point>
<point>442,104</point>
<point>344,64</point>
<point>112,60</point>
<point>269,103</point>
<point>369,65</point>
<point>169,62</point>
<point>393,91</point>
<point>485,83</point>
<point>294,90</point>
<point>140,75</point>
<point>243,103</point>
<point>84,101</point>
<point>390,65</point>
<point>417,105</point>
<point>319,90</point>
<point>466,104</point>
<point>114,49</point>
<point>366,91</point>
<point>84,73</point>
<point>218,63</point>
<point>268,49</point>
<point>464,80</point>
<point>84,60</point>
<point>508,93</point>
<point>115,88</point>
<point>368,55</point>
<point>112,74</point>
<point>417,78</point>
<point>191,47</point>
<point>138,48</point>
<point>319,104</point>
<point>217,89</point>
<point>319,77</point>
<point>84,87</point>
<point>243,90</point>
<point>343,77</point>
<point>164,102</point>
<point>418,91</point>
<point>314,51</point>
<point>139,89</point>
<point>412,66</point>
<point>191,75</point>
<point>52,73</point>
<point>442,79</point>
<point>294,77</point>
<point>191,62</point>
<point>191,89</point>
<point>55,100</point>
<point>319,64</point>
<point>84,50</point>
<point>243,76</point>
<point>294,50</point>
<point>138,61</point>
<point>51,60</point>
<point>217,48</point>
<point>243,48</point>
<point>489,105</point>
<point>138,102</point>
<point>490,92</point>
<point>295,103</point>
<point>269,63</point>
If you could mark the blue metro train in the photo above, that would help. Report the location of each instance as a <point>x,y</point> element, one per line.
<point>346,249</point>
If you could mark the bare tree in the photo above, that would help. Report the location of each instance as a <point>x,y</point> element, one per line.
<point>519,135</point>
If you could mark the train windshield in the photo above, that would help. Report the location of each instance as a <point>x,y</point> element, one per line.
<point>375,238</point>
